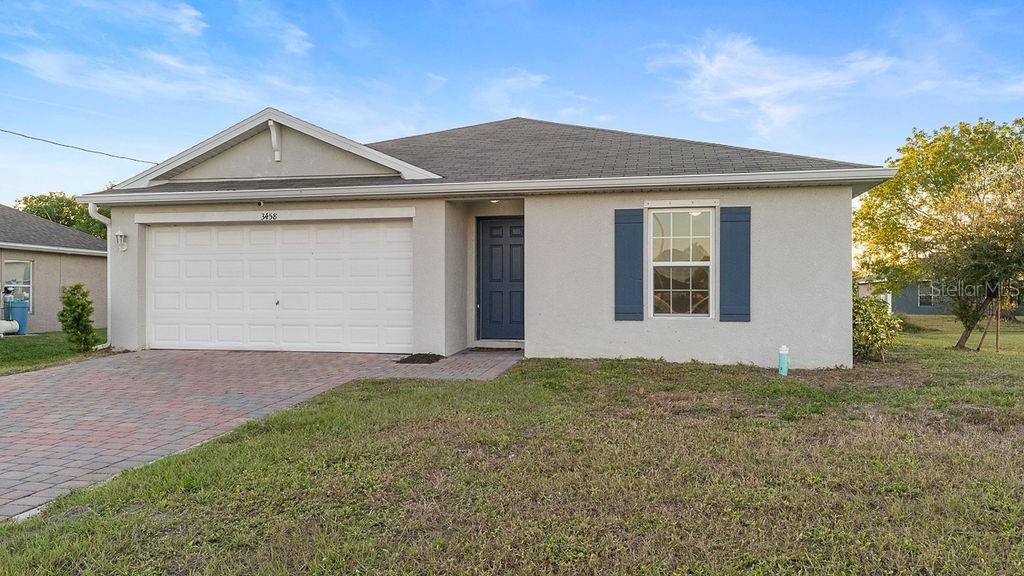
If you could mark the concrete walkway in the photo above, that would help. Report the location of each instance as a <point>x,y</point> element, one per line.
<point>77,424</point>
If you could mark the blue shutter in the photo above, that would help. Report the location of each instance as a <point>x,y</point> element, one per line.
<point>734,265</point>
<point>629,264</point>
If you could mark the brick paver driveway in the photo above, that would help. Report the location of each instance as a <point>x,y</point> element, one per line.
<point>81,423</point>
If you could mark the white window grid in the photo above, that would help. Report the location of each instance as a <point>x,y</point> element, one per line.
<point>710,265</point>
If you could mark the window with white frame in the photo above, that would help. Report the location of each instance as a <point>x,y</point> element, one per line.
<point>925,294</point>
<point>17,275</point>
<point>681,258</point>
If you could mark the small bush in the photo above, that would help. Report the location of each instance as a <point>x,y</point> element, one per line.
<point>76,317</point>
<point>874,328</point>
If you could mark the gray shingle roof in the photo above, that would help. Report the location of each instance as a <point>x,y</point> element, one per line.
<point>17,227</point>
<point>525,149</point>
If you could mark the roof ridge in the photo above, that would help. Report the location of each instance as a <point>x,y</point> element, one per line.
<point>455,129</point>
<point>687,140</point>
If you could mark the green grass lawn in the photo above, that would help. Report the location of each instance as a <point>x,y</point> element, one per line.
<point>586,467</point>
<point>34,351</point>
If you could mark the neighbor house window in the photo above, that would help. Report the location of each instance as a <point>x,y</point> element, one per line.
<point>925,294</point>
<point>681,253</point>
<point>18,276</point>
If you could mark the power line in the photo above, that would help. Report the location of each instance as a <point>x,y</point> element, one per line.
<point>76,147</point>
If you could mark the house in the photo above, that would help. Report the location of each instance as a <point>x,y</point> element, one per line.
<point>870,286</point>
<point>919,298</point>
<point>568,241</point>
<point>927,298</point>
<point>38,257</point>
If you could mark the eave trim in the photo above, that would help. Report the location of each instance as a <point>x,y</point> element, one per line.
<point>52,249</point>
<point>858,178</point>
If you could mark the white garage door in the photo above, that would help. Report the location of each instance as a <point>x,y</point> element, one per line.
<point>338,286</point>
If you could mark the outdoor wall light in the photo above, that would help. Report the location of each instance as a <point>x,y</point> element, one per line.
<point>494,201</point>
<point>121,239</point>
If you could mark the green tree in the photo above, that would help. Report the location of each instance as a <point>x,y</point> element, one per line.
<point>952,214</point>
<point>63,209</point>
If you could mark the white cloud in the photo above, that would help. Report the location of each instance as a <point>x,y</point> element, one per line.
<point>570,112</point>
<point>519,92</point>
<point>294,39</point>
<point>180,16</point>
<point>171,79</point>
<point>153,76</point>
<point>435,82</point>
<point>15,30</point>
<point>260,16</point>
<point>506,94</point>
<point>186,18</point>
<point>732,77</point>
<point>354,32</point>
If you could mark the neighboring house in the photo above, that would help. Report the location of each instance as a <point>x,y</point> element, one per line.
<point>869,286</point>
<point>926,298</point>
<point>276,234</point>
<point>919,298</point>
<point>38,257</point>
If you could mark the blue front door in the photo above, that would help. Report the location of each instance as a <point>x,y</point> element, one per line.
<point>500,278</point>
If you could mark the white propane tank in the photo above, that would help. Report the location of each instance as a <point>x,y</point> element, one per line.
<point>9,327</point>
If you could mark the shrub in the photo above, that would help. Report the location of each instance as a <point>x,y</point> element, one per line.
<point>874,328</point>
<point>76,317</point>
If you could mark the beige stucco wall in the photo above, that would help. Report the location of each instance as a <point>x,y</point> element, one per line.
<point>800,277</point>
<point>800,282</point>
<point>455,277</point>
<point>51,271</point>
<point>301,155</point>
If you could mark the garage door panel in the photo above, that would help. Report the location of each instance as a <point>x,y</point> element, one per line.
<point>166,301</point>
<point>295,301</point>
<point>165,237</point>
<point>328,236</point>
<point>230,334</point>
<point>329,335</point>
<point>328,268</point>
<point>164,333</point>
<point>397,268</point>
<point>263,236</point>
<point>199,237</point>
<point>164,269</point>
<point>397,302</point>
<point>230,301</point>
<point>324,286</point>
<point>230,237</point>
<point>261,333</point>
<point>230,268</point>
<point>398,336</point>
<point>198,269</point>
<point>363,302</point>
<point>197,333</point>
<point>295,334</point>
<point>328,301</point>
<point>365,335</point>
<point>261,302</point>
<point>295,268</point>
<point>262,268</point>
<point>197,302</point>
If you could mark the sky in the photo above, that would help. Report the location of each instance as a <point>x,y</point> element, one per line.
<point>149,78</point>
